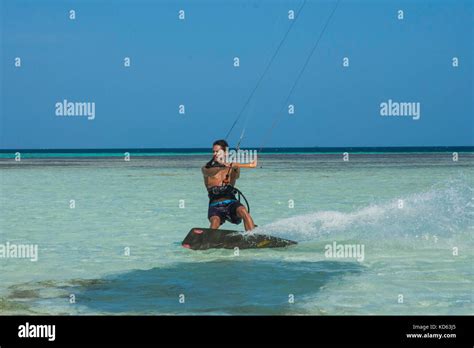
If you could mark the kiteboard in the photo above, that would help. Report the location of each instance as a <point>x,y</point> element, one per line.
<point>207,238</point>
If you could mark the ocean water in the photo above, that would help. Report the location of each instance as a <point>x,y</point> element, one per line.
<point>413,214</point>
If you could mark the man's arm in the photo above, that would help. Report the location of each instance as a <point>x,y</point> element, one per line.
<point>252,164</point>
<point>236,172</point>
<point>210,171</point>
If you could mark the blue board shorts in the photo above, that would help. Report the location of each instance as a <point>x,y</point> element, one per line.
<point>225,210</point>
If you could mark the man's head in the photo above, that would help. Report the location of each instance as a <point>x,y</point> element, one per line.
<point>219,148</point>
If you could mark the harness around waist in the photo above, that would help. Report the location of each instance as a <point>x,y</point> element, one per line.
<point>227,201</point>
<point>227,193</point>
<point>219,192</point>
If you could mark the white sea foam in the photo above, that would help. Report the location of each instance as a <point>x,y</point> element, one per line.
<point>444,212</point>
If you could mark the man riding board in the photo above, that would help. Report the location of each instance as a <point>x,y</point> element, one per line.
<point>219,179</point>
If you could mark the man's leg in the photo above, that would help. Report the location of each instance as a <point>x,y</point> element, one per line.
<point>245,215</point>
<point>215,222</point>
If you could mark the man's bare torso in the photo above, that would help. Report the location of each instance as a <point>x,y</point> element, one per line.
<point>215,176</point>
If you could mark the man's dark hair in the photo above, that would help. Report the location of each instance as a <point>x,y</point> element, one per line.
<point>222,143</point>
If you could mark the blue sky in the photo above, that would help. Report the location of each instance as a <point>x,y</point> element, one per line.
<point>190,62</point>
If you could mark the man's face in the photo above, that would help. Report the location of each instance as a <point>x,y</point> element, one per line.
<point>219,154</point>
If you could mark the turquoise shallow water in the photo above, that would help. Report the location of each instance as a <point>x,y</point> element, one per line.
<point>408,250</point>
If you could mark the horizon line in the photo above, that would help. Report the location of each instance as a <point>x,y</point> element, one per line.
<point>265,149</point>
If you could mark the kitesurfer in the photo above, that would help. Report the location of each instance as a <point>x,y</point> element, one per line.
<point>219,179</point>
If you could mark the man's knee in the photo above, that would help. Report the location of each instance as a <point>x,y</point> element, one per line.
<point>242,211</point>
<point>215,221</point>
